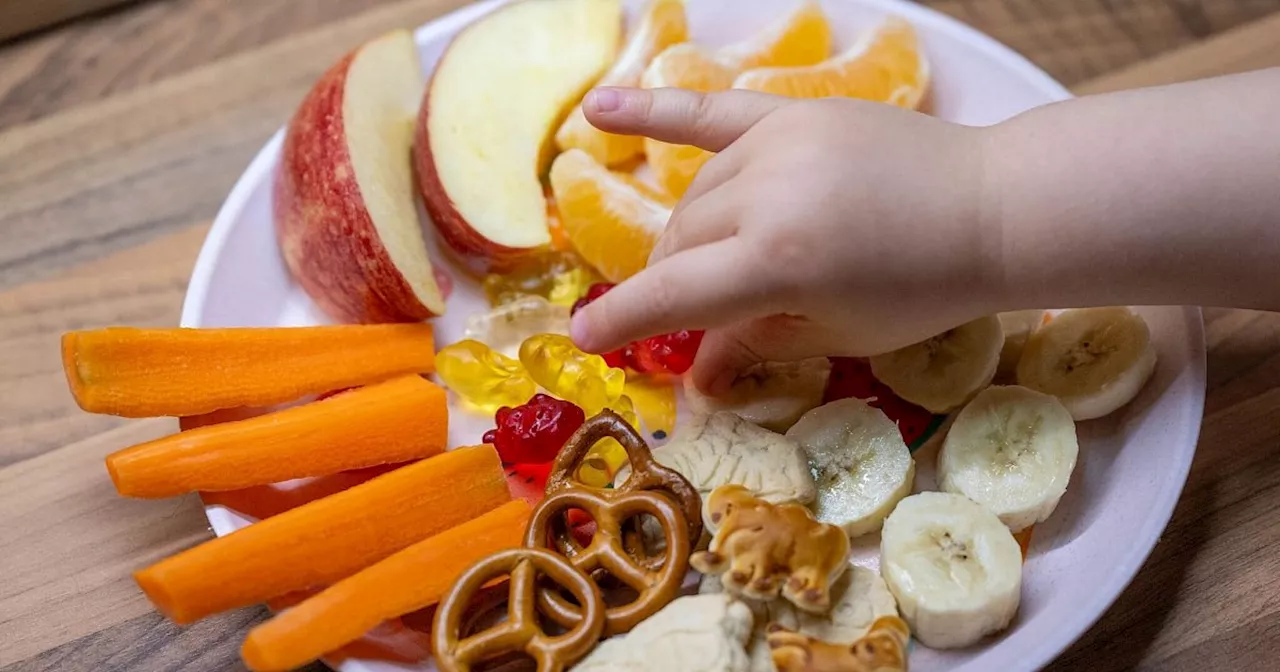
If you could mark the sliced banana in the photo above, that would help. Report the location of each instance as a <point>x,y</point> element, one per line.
<point>944,372</point>
<point>773,395</point>
<point>1094,360</point>
<point>954,568</point>
<point>859,461</point>
<point>1011,450</point>
<point>1017,326</point>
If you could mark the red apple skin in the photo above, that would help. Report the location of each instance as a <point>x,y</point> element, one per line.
<point>326,235</point>
<point>475,253</point>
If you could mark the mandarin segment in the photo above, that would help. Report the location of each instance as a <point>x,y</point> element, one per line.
<point>886,65</point>
<point>613,225</point>
<point>802,38</point>
<point>661,25</point>
<point>646,189</point>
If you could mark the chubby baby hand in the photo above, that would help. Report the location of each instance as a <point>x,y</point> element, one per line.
<point>821,227</point>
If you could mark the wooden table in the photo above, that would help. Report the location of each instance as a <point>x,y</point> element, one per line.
<point>121,133</point>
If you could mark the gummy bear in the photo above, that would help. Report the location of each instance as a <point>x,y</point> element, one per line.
<point>483,377</point>
<point>562,369</point>
<point>655,402</point>
<point>665,353</point>
<point>607,456</point>
<point>534,433</point>
<point>504,328</point>
<point>559,276</point>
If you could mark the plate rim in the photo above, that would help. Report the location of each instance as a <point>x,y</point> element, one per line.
<point>263,163</point>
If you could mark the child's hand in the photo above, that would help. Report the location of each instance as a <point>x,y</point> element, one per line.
<point>826,227</point>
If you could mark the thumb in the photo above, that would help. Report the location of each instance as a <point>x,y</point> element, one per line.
<point>711,121</point>
<point>728,352</point>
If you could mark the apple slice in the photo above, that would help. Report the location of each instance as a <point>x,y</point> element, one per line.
<point>484,133</point>
<point>344,199</point>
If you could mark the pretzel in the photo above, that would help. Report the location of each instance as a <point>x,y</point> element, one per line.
<point>882,649</point>
<point>656,585</point>
<point>520,633</point>
<point>646,475</point>
<point>762,548</point>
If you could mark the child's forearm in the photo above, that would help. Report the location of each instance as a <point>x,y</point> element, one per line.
<point>1158,196</point>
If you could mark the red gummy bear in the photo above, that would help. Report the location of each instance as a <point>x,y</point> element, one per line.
<point>665,353</point>
<point>534,432</point>
<point>593,292</point>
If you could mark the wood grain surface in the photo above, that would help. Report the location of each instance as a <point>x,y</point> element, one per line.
<point>121,133</point>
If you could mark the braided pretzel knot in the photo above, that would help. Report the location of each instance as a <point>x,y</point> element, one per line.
<point>520,633</point>
<point>646,475</point>
<point>656,587</point>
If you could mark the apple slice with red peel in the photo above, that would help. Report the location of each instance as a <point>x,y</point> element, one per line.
<point>484,133</point>
<point>344,198</point>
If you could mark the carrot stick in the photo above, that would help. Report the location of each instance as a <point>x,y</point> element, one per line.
<point>407,581</point>
<point>139,373</point>
<point>319,543</point>
<point>403,419</point>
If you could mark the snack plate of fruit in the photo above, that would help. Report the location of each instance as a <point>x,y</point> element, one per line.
<point>447,177</point>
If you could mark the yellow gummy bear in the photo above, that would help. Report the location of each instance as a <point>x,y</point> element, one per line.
<point>555,363</point>
<point>606,457</point>
<point>655,399</point>
<point>484,377</point>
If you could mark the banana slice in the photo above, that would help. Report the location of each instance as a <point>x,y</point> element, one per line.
<point>773,396</point>
<point>1017,327</point>
<point>859,461</point>
<point>1094,360</point>
<point>954,568</point>
<point>1011,450</point>
<point>944,372</point>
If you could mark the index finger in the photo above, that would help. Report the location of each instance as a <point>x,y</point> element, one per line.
<point>699,288</point>
<point>711,121</point>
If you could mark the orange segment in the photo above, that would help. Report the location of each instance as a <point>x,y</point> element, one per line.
<point>688,66</point>
<point>647,190</point>
<point>661,25</point>
<point>559,238</point>
<point>802,38</point>
<point>886,65</point>
<point>612,224</point>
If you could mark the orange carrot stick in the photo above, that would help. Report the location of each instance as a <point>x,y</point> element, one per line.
<point>139,373</point>
<point>319,543</point>
<point>403,419</point>
<point>409,580</point>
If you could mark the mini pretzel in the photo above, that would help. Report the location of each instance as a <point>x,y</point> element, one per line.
<point>762,548</point>
<point>656,586</point>
<point>646,474</point>
<point>882,649</point>
<point>520,633</point>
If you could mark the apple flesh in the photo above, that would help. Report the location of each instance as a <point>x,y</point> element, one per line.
<point>345,212</point>
<point>484,132</point>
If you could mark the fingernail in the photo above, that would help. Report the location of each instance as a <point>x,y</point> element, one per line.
<point>578,330</point>
<point>604,99</point>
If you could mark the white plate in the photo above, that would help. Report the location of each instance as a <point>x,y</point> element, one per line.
<point>1132,466</point>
